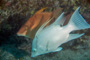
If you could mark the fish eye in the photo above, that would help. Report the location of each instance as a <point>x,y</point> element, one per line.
<point>34,50</point>
<point>36,37</point>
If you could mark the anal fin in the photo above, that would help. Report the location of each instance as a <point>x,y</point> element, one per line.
<point>74,36</point>
<point>58,49</point>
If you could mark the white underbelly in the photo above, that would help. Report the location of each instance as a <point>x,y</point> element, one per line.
<point>52,39</point>
<point>55,43</point>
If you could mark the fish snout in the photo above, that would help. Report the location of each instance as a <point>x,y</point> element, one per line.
<point>33,54</point>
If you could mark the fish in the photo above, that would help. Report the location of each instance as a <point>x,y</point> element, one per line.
<point>30,27</point>
<point>49,39</point>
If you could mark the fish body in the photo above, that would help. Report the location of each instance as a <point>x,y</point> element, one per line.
<point>53,35</point>
<point>50,38</point>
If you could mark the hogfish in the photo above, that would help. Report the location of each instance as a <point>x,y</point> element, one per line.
<point>48,39</point>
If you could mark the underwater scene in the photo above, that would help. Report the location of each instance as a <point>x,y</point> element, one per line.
<point>44,30</point>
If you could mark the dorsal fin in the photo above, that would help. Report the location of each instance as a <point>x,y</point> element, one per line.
<point>41,28</point>
<point>41,10</point>
<point>60,20</point>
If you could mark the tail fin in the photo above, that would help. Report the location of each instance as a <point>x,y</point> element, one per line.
<point>77,21</point>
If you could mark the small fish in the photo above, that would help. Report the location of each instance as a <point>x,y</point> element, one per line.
<point>48,39</point>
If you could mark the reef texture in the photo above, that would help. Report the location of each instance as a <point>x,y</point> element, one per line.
<point>14,13</point>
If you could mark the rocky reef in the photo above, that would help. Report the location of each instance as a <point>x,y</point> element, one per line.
<point>14,13</point>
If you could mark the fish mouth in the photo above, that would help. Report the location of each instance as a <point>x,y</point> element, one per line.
<point>34,55</point>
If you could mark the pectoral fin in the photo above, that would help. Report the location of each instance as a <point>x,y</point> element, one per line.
<point>74,36</point>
